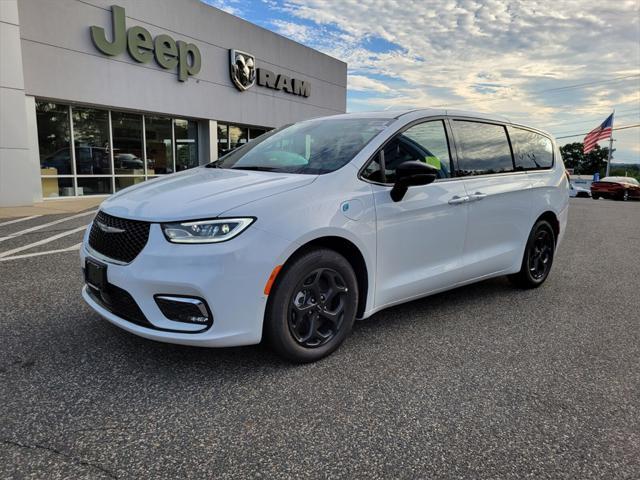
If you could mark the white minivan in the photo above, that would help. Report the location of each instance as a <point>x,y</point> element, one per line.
<point>296,234</point>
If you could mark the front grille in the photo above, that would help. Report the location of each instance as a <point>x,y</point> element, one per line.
<point>124,243</point>
<point>120,303</point>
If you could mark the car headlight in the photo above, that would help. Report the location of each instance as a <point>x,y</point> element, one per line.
<point>205,231</point>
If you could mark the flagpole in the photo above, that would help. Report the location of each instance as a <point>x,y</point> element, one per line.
<point>610,148</point>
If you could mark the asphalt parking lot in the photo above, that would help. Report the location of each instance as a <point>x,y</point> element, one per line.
<point>480,382</point>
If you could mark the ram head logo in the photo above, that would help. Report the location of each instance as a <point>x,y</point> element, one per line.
<point>243,69</point>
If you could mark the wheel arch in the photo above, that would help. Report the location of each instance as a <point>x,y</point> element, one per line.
<point>351,253</point>
<point>552,218</point>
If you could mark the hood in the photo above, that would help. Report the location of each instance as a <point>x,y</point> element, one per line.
<point>198,193</point>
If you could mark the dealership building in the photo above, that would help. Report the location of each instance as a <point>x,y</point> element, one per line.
<point>96,95</point>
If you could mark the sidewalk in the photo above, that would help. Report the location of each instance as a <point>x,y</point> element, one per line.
<point>52,207</point>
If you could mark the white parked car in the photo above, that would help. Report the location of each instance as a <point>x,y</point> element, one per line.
<point>576,191</point>
<point>296,234</point>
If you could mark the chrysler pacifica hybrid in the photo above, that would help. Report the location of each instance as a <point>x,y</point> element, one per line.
<point>293,236</point>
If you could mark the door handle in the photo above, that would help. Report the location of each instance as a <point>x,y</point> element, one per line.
<point>477,196</point>
<point>456,200</point>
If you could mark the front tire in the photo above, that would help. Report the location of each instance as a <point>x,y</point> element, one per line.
<point>538,257</point>
<point>312,307</point>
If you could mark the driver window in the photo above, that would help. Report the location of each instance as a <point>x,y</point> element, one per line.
<point>425,142</point>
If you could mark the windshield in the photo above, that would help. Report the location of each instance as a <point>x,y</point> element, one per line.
<point>310,147</point>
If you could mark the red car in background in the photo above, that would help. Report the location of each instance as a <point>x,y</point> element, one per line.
<point>618,188</point>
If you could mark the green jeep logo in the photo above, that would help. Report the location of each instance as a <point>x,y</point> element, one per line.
<point>168,53</point>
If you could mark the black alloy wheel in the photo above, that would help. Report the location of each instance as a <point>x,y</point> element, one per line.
<point>538,257</point>
<point>625,195</point>
<point>541,254</point>
<point>312,305</point>
<point>316,310</point>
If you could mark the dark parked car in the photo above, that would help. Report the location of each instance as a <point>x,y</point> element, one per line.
<point>618,188</point>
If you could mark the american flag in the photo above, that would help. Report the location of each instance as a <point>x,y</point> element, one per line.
<point>599,133</point>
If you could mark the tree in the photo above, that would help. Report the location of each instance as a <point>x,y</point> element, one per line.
<point>592,162</point>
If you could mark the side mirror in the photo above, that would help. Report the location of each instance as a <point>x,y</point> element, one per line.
<point>409,174</point>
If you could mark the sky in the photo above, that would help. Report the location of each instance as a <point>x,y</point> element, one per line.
<point>560,65</point>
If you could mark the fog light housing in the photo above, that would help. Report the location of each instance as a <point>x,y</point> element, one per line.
<point>191,310</point>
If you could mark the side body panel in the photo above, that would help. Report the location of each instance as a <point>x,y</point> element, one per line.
<point>499,222</point>
<point>550,192</point>
<point>420,241</point>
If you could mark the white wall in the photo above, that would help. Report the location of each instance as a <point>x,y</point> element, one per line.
<point>19,175</point>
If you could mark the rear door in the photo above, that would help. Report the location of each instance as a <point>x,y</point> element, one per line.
<point>420,239</point>
<point>499,198</point>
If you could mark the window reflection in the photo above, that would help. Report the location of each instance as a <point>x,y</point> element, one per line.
<point>53,138</point>
<point>159,145</point>
<point>238,136</point>
<point>483,148</point>
<point>127,143</point>
<point>124,182</point>
<point>91,140</point>
<point>223,140</point>
<point>256,132</point>
<point>186,134</point>
<point>169,145</point>
<point>532,150</point>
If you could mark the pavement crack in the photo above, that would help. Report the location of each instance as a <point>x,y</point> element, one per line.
<point>73,459</point>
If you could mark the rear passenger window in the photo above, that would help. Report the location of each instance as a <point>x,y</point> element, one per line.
<point>531,150</point>
<point>483,148</point>
<point>425,142</point>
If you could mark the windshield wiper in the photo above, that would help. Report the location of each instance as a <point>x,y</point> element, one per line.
<point>215,164</point>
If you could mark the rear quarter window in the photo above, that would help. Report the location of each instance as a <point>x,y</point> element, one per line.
<point>531,150</point>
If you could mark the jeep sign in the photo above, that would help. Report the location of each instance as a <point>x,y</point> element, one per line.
<point>168,53</point>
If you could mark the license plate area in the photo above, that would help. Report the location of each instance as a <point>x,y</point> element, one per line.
<point>95,274</point>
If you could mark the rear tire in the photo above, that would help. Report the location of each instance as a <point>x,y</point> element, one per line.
<point>595,197</point>
<point>312,307</point>
<point>538,257</point>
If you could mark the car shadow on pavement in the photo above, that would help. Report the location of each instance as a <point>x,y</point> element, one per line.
<point>390,322</point>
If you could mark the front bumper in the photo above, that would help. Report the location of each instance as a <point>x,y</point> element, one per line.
<point>230,276</point>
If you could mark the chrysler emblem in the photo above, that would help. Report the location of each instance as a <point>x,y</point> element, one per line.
<point>243,69</point>
<point>107,229</point>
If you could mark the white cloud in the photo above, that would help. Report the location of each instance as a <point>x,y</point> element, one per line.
<point>362,83</point>
<point>226,5</point>
<point>513,57</point>
<point>294,31</point>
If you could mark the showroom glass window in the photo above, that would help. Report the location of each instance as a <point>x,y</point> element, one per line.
<point>231,137</point>
<point>223,139</point>
<point>483,148</point>
<point>531,150</point>
<point>127,143</point>
<point>426,142</point>
<point>93,151</point>
<point>256,132</point>
<point>54,140</point>
<point>186,135</point>
<point>91,141</point>
<point>238,136</point>
<point>159,141</point>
